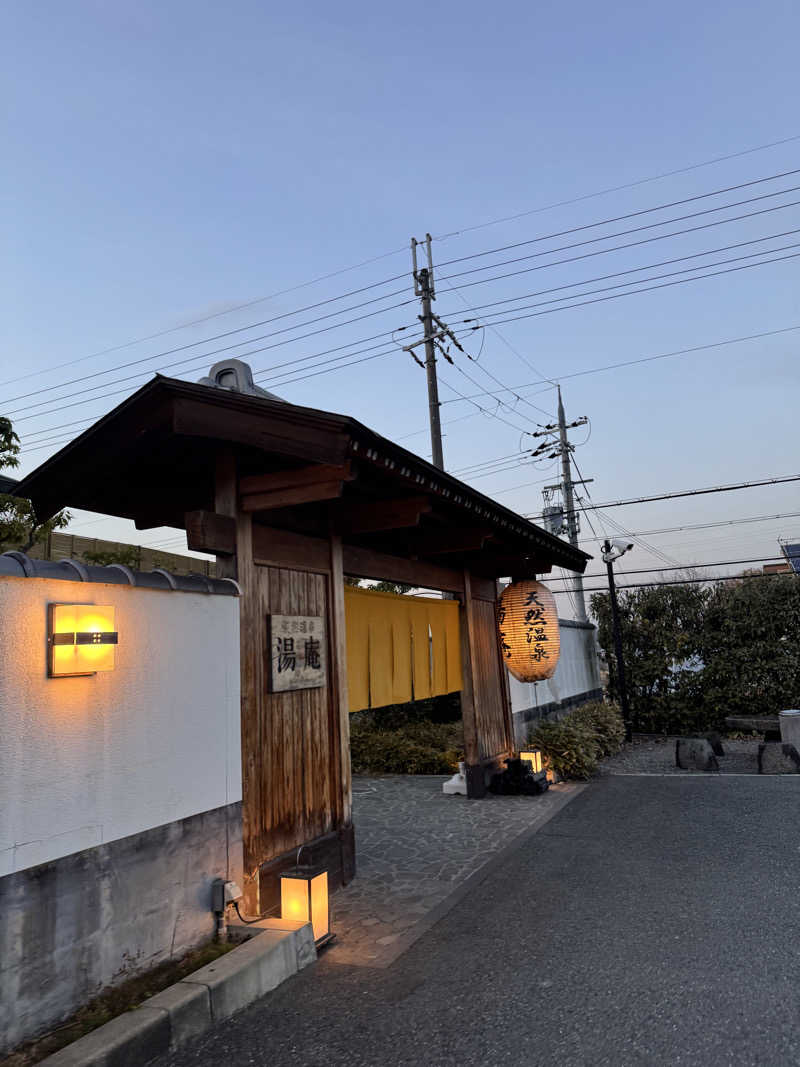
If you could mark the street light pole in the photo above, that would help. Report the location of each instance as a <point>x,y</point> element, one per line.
<point>609,557</point>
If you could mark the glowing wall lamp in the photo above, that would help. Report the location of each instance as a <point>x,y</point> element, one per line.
<point>304,897</point>
<point>534,758</point>
<point>81,639</point>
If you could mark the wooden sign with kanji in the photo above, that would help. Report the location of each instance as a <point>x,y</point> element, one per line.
<point>297,644</point>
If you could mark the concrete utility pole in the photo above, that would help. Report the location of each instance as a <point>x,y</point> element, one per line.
<point>569,501</point>
<point>424,289</point>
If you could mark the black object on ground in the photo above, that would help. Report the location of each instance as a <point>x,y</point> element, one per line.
<point>518,779</point>
<point>715,740</point>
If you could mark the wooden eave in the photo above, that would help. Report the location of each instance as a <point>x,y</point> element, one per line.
<point>152,459</point>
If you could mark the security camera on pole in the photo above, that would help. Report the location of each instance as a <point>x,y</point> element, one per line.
<point>613,550</point>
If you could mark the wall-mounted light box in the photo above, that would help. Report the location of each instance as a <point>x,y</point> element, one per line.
<point>81,639</point>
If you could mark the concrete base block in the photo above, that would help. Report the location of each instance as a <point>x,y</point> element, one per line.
<point>777,758</point>
<point>188,1007</point>
<point>695,754</point>
<point>136,1037</point>
<point>247,973</point>
<point>302,933</point>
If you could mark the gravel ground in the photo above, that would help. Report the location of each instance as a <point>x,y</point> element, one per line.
<point>658,757</point>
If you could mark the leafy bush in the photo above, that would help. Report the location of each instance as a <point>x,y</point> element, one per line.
<point>695,654</point>
<point>606,721</point>
<point>398,752</point>
<point>569,746</point>
<point>425,737</point>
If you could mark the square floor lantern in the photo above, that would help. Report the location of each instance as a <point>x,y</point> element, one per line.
<point>534,758</point>
<point>304,897</point>
<point>81,639</point>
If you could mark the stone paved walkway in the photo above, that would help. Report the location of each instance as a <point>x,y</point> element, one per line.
<point>415,849</point>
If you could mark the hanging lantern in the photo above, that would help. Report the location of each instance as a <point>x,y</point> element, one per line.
<point>527,625</point>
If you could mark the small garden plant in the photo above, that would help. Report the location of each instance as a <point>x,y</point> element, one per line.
<point>572,746</point>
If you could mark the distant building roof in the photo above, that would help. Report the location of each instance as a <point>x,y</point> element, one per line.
<point>8,485</point>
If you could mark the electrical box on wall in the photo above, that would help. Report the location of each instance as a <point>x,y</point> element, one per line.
<point>81,639</point>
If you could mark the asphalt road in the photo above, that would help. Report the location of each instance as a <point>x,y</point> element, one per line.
<point>652,921</point>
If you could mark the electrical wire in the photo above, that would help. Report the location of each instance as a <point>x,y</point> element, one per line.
<point>774,480</point>
<point>688,581</point>
<point>645,289</point>
<point>651,359</point>
<point>617,188</point>
<point>628,215</point>
<point>688,566</point>
<point>714,525</point>
<point>635,270</point>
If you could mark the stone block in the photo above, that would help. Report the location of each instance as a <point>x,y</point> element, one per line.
<point>715,740</point>
<point>774,757</point>
<point>247,973</point>
<point>188,1007</point>
<point>695,754</point>
<point>134,1038</point>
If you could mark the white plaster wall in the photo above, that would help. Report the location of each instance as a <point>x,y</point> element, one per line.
<point>577,672</point>
<point>89,760</point>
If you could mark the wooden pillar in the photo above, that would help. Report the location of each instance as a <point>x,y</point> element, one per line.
<point>240,567</point>
<point>472,754</point>
<point>340,706</point>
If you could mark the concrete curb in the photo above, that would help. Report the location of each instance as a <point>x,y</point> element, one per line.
<point>277,949</point>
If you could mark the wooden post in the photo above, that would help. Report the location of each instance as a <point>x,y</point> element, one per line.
<point>472,755</point>
<point>340,707</point>
<point>509,711</point>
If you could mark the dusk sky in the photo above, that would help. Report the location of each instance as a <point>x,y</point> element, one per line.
<point>165,163</point>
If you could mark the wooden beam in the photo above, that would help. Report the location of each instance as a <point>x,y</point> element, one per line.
<point>318,472</point>
<point>207,531</point>
<point>225,504</point>
<point>367,563</point>
<point>283,548</point>
<point>287,498</point>
<point>442,542</point>
<point>350,518</point>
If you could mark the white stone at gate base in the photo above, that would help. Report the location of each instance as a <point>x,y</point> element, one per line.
<point>457,784</point>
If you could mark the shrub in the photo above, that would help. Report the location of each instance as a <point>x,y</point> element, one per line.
<point>606,721</point>
<point>406,751</point>
<point>569,746</point>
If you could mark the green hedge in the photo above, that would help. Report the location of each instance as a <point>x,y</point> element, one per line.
<point>573,745</point>
<point>425,737</point>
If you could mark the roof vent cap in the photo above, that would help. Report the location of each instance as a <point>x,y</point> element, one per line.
<point>237,377</point>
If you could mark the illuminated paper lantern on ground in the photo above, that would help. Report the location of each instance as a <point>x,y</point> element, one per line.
<point>304,897</point>
<point>527,625</point>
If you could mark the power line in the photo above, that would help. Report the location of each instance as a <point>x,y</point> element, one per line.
<point>714,525</point>
<point>779,480</point>
<point>688,567</point>
<point>228,311</point>
<point>635,292</point>
<point>630,215</point>
<point>255,325</point>
<point>650,359</point>
<point>634,270</point>
<point>618,188</point>
<point>689,581</point>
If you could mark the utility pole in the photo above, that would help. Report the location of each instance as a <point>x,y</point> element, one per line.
<point>424,289</point>
<point>623,689</point>
<point>568,516</point>
<point>569,502</point>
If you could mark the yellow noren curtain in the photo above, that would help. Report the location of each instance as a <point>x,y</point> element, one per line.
<point>400,648</point>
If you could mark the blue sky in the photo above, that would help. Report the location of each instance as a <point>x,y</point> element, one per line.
<point>166,162</point>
